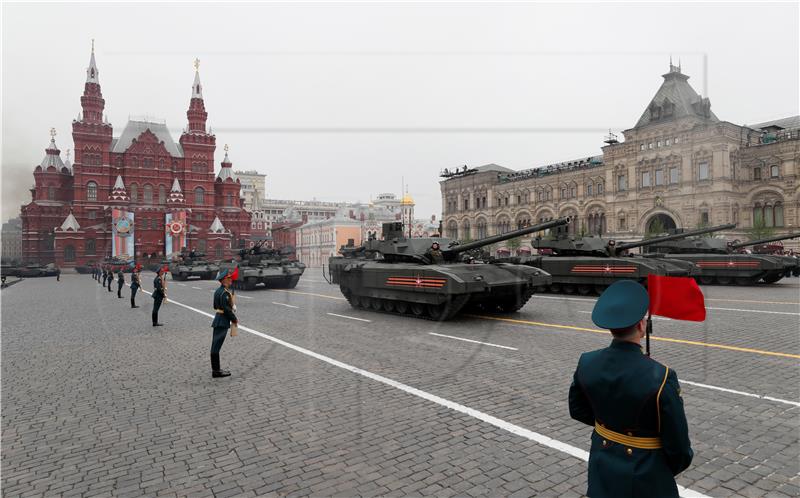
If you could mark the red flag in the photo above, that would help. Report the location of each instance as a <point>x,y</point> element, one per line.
<point>235,273</point>
<point>676,297</point>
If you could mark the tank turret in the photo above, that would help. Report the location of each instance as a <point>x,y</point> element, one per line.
<point>395,247</point>
<point>740,245</point>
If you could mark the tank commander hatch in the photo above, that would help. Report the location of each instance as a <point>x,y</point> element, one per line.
<point>434,254</point>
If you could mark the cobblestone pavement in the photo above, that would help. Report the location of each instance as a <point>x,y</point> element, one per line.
<point>97,402</point>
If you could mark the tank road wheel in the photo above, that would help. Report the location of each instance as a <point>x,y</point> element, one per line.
<point>375,304</point>
<point>437,312</point>
<point>555,288</point>
<point>599,288</point>
<point>705,280</point>
<point>744,281</point>
<point>250,283</point>
<point>401,307</point>
<point>771,279</point>
<point>569,289</point>
<point>584,289</point>
<point>417,309</point>
<point>724,280</point>
<point>388,305</point>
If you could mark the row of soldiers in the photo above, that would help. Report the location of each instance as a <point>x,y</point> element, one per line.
<point>105,276</point>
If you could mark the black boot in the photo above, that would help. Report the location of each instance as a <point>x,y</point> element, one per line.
<point>216,371</point>
<point>133,303</point>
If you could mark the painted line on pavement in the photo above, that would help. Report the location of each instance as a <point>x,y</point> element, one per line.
<point>708,308</point>
<point>741,393</point>
<point>750,301</point>
<point>654,318</point>
<point>198,288</point>
<point>484,417</point>
<point>243,297</point>
<point>654,338</point>
<point>470,340</point>
<point>182,285</point>
<point>349,317</point>
<point>284,304</point>
<point>309,294</point>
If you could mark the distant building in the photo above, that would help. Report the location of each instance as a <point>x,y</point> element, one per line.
<point>12,240</point>
<point>678,166</point>
<point>253,187</point>
<point>319,240</point>
<point>137,195</point>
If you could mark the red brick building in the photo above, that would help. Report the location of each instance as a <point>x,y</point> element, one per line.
<point>137,195</point>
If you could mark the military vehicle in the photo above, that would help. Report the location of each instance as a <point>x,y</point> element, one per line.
<point>588,265</point>
<point>193,264</point>
<point>31,270</point>
<point>117,264</point>
<point>763,246</point>
<point>718,263</point>
<point>402,275</point>
<point>270,268</point>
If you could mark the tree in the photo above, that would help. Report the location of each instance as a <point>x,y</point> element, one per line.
<point>513,244</point>
<point>655,228</point>
<point>760,230</point>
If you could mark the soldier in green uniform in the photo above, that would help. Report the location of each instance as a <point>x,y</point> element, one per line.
<point>104,275</point>
<point>434,254</point>
<point>159,294</point>
<point>135,284</point>
<point>110,278</point>
<point>640,440</point>
<point>223,318</point>
<point>120,283</point>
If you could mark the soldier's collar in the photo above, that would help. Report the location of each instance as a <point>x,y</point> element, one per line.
<point>626,345</point>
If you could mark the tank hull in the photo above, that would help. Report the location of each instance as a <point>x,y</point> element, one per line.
<point>437,292</point>
<point>270,276</point>
<point>735,269</point>
<point>592,274</point>
<point>201,271</point>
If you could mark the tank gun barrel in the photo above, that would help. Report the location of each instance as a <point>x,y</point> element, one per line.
<point>506,236</point>
<point>646,242</point>
<point>764,241</point>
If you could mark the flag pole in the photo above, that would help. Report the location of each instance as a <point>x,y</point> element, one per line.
<point>648,331</point>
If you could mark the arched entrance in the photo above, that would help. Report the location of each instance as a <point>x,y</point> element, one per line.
<point>660,223</point>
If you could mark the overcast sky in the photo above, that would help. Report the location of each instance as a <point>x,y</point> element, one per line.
<point>520,85</point>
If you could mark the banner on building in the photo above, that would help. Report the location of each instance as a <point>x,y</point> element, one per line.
<point>122,234</point>
<point>175,236</point>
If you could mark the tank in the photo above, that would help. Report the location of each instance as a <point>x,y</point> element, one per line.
<point>117,264</point>
<point>30,270</point>
<point>719,263</point>
<point>587,265</point>
<point>193,264</point>
<point>401,275</point>
<point>269,268</point>
<point>766,246</point>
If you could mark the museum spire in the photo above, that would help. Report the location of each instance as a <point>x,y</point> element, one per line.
<point>197,114</point>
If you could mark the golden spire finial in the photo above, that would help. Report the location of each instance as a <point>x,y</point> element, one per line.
<point>53,133</point>
<point>226,147</point>
<point>196,64</point>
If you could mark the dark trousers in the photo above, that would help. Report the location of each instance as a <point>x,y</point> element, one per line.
<point>119,289</point>
<point>133,296</point>
<point>109,283</point>
<point>216,344</point>
<point>156,306</point>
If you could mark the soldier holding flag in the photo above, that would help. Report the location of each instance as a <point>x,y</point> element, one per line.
<point>640,440</point>
<point>224,318</point>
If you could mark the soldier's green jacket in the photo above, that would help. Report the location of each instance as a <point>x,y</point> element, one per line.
<point>634,395</point>
<point>223,308</point>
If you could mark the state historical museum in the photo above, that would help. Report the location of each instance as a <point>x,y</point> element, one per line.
<point>136,196</point>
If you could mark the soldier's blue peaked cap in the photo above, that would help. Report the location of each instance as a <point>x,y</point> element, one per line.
<point>224,272</point>
<point>623,304</point>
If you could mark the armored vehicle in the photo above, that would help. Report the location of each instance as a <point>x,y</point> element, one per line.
<point>117,264</point>
<point>31,270</point>
<point>588,265</point>
<point>764,246</point>
<point>406,276</point>
<point>718,263</point>
<point>270,268</point>
<point>193,264</point>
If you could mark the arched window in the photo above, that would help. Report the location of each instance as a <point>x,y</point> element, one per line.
<point>600,188</point>
<point>218,252</point>
<point>148,194</point>
<point>758,214</point>
<point>480,226</point>
<point>51,193</point>
<point>769,216</point>
<point>162,194</point>
<point>467,230</point>
<point>134,192</point>
<point>589,189</point>
<point>90,246</point>
<point>69,254</point>
<point>91,191</point>
<point>199,196</point>
<point>778,214</point>
<point>452,229</point>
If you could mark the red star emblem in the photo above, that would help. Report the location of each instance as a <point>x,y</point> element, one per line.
<point>608,268</point>
<point>419,282</point>
<point>730,263</point>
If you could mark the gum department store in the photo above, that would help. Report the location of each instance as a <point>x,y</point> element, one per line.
<point>679,166</point>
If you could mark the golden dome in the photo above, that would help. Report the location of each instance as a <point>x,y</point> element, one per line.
<point>407,201</point>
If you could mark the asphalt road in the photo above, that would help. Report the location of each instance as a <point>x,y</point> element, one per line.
<point>329,400</point>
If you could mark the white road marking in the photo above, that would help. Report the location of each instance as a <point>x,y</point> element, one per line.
<point>182,285</point>
<point>243,297</point>
<point>284,304</point>
<point>198,288</point>
<point>484,417</point>
<point>350,317</point>
<point>740,393</point>
<point>470,340</point>
<point>654,318</point>
<point>757,311</point>
<point>565,298</point>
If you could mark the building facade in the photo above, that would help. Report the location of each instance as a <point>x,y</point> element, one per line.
<point>137,195</point>
<point>319,240</point>
<point>679,166</point>
<point>12,240</point>
<point>254,186</point>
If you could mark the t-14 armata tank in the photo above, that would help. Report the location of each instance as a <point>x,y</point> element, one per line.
<point>719,263</point>
<point>407,276</point>
<point>193,264</point>
<point>764,246</point>
<point>590,264</point>
<point>268,267</point>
